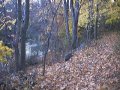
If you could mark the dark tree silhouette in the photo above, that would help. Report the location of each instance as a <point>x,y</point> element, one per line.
<point>23,35</point>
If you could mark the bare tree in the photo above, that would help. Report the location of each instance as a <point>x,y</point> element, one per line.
<point>75,16</point>
<point>49,33</point>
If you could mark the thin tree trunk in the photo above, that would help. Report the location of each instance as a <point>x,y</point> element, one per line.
<point>15,40</point>
<point>66,10</point>
<point>17,54</point>
<point>46,52</point>
<point>90,21</point>
<point>96,22</point>
<point>6,32</point>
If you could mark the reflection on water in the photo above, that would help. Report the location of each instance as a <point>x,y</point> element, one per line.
<point>33,50</point>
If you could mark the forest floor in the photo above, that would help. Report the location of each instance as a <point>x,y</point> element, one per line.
<point>96,67</point>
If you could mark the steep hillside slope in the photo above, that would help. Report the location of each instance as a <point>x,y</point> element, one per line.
<point>96,67</point>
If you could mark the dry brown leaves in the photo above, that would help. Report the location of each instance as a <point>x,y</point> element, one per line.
<point>94,68</point>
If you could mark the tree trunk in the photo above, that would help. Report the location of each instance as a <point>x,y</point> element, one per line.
<point>75,16</point>
<point>23,36</point>
<point>17,54</point>
<point>96,22</point>
<point>46,52</point>
<point>90,21</point>
<point>66,10</point>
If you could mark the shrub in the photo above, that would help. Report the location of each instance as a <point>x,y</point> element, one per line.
<point>5,52</point>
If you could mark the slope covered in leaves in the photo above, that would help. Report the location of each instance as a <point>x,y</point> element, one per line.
<point>96,67</point>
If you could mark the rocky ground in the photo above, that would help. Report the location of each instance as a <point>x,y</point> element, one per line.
<point>96,67</point>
